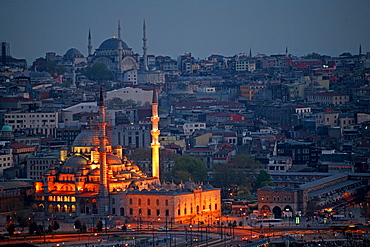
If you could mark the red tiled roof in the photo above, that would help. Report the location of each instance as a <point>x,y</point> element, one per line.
<point>17,145</point>
<point>15,99</point>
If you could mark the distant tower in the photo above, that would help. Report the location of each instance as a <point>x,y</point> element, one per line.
<point>103,188</point>
<point>155,134</point>
<point>120,50</point>
<point>250,51</point>
<point>145,48</point>
<point>360,50</point>
<point>286,51</point>
<point>89,45</point>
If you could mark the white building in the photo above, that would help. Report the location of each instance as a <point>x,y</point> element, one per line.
<point>6,161</point>
<point>189,128</point>
<point>36,123</point>
<point>128,93</point>
<point>279,164</point>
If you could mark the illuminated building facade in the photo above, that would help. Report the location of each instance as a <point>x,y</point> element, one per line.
<point>95,180</point>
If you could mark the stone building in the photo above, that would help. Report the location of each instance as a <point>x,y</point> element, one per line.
<point>95,180</point>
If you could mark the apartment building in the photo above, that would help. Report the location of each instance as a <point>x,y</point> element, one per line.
<point>34,123</point>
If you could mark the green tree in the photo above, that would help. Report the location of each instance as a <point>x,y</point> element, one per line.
<point>84,227</point>
<point>98,72</point>
<point>263,179</point>
<point>247,164</point>
<point>53,68</point>
<point>10,228</point>
<point>78,225</point>
<point>99,225</point>
<point>244,193</point>
<point>32,228</point>
<point>313,55</point>
<point>189,167</point>
<point>55,225</point>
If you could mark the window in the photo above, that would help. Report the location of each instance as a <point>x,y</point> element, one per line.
<point>130,200</point>
<point>131,211</point>
<point>167,212</point>
<point>149,212</point>
<point>148,202</point>
<point>166,202</point>
<point>139,202</point>
<point>157,202</point>
<point>158,212</point>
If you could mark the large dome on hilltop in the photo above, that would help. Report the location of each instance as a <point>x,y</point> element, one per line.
<point>112,44</point>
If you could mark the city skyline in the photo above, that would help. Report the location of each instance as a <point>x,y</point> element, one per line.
<point>175,27</point>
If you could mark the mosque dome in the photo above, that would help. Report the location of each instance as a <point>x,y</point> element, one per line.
<point>112,44</point>
<point>112,159</point>
<point>75,161</point>
<point>86,138</point>
<point>6,128</point>
<point>190,185</point>
<point>181,88</point>
<point>73,53</point>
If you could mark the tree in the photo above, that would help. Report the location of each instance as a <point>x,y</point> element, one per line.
<point>55,225</point>
<point>189,167</point>
<point>313,55</point>
<point>98,72</point>
<point>263,179</point>
<point>84,227</point>
<point>10,228</point>
<point>99,225</point>
<point>78,225</point>
<point>225,175</point>
<point>53,68</point>
<point>32,228</point>
<point>247,164</point>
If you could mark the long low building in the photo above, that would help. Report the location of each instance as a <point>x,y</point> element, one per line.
<point>325,193</point>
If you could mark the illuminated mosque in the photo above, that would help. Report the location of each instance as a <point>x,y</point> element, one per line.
<point>95,180</point>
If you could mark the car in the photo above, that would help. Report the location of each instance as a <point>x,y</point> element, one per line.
<point>254,236</point>
<point>245,238</point>
<point>162,228</point>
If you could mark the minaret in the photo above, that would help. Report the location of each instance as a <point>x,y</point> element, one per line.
<point>360,51</point>
<point>145,48</point>
<point>286,51</point>
<point>103,189</point>
<point>119,65</point>
<point>250,51</point>
<point>89,45</point>
<point>155,134</point>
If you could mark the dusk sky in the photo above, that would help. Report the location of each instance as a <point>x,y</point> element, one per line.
<point>202,27</point>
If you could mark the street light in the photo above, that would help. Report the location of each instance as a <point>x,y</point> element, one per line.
<point>191,235</point>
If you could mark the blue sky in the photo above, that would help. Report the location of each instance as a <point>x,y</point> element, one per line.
<point>202,27</point>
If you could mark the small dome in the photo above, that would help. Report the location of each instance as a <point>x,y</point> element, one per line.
<point>289,188</point>
<point>95,172</point>
<point>75,162</point>
<point>112,44</point>
<point>6,128</point>
<point>72,53</point>
<point>190,185</point>
<point>86,138</point>
<point>112,159</point>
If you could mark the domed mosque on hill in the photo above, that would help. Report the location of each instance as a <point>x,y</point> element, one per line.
<point>95,180</point>
<point>115,54</point>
